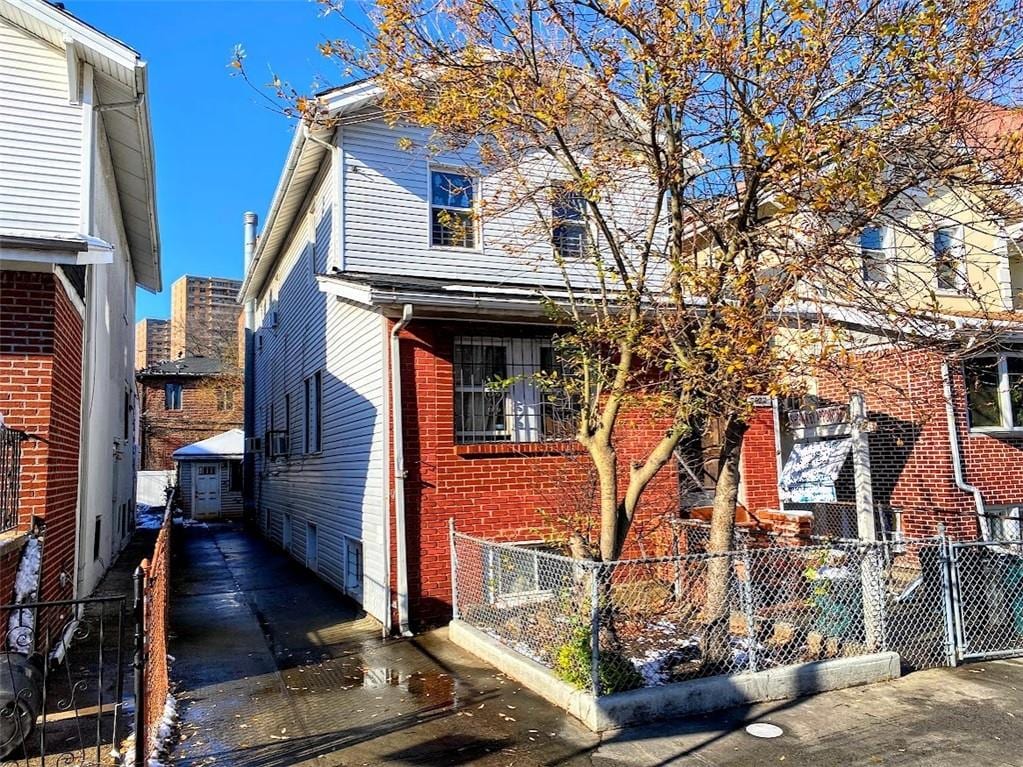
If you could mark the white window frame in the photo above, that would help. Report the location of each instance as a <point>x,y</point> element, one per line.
<point>355,591</point>
<point>522,400</point>
<point>583,223</point>
<point>1004,398</point>
<point>961,280</point>
<point>882,255</point>
<point>477,227</point>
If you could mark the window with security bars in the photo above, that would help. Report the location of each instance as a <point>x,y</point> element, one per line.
<point>510,390</point>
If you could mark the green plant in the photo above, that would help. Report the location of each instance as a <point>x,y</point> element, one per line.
<point>573,664</point>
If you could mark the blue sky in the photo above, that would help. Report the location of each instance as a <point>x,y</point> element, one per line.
<point>219,145</point>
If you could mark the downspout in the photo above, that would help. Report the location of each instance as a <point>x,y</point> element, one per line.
<point>248,464</point>
<point>398,452</point>
<point>953,442</point>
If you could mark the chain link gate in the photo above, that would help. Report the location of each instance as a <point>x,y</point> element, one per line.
<point>987,598</point>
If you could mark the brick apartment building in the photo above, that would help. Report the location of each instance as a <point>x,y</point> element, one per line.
<point>204,317</point>
<point>182,401</point>
<point>152,342</point>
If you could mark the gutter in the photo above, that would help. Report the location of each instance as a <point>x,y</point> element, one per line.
<point>957,465</point>
<point>399,471</point>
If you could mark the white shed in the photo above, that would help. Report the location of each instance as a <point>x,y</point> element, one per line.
<point>210,476</point>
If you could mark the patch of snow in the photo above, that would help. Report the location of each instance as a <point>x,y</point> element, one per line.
<point>741,647</point>
<point>21,623</point>
<point>64,644</point>
<point>164,734</point>
<point>655,664</point>
<point>148,517</point>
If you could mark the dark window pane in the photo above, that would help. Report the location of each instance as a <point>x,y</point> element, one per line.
<point>452,228</point>
<point>946,258</point>
<point>982,392</point>
<point>569,240</point>
<point>568,206</point>
<point>1015,367</point>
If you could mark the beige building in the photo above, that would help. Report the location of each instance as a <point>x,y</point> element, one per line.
<point>152,342</point>
<point>204,318</point>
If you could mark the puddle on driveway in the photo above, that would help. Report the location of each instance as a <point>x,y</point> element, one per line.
<point>430,688</point>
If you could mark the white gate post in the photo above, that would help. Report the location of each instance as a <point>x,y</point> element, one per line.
<point>860,428</point>
<point>871,577</point>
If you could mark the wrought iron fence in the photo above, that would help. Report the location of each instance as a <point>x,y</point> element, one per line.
<point>62,682</point>
<point>10,476</point>
<point>615,626</point>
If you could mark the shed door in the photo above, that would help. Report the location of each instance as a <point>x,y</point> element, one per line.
<point>206,500</point>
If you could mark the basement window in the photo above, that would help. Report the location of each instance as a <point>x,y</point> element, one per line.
<point>994,392</point>
<point>510,390</point>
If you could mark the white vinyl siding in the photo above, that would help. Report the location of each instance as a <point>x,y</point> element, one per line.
<point>40,137</point>
<point>387,213</point>
<point>340,488</point>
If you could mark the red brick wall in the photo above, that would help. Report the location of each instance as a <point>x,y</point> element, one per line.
<point>164,431</point>
<point>760,462</point>
<point>40,393</point>
<point>911,460</point>
<point>495,491</point>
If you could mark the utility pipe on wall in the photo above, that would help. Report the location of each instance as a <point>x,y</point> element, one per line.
<point>957,463</point>
<point>250,220</point>
<point>398,452</point>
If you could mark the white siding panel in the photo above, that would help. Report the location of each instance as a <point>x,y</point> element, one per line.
<point>40,137</point>
<point>386,213</point>
<point>340,488</point>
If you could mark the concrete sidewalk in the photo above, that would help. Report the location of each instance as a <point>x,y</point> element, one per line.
<point>275,668</point>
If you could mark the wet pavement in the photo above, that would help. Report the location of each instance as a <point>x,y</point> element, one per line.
<point>275,668</point>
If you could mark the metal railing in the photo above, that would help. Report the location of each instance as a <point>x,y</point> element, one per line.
<point>614,626</point>
<point>10,476</point>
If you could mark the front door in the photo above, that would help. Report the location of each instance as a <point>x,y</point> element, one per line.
<point>206,498</point>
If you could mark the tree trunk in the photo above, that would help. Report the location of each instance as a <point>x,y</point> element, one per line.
<point>606,462</point>
<point>722,531</point>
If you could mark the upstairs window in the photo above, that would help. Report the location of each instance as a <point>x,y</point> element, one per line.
<point>172,396</point>
<point>948,258</point>
<point>568,224</point>
<point>872,253</point>
<point>225,399</point>
<point>994,392</point>
<point>452,198</point>
<point>509,390</point>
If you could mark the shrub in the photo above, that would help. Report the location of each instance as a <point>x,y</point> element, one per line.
<point>573,661</point>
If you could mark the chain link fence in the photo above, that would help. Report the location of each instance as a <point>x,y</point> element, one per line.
<point>615,626</point>
<point>152,608</point>
<point>988,598</point>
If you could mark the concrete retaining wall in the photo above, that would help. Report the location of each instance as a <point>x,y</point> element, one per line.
<point>681,698</point>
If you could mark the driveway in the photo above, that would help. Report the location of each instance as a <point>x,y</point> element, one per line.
<point>275,668</point>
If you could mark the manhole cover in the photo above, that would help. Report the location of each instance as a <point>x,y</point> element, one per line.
<point>764,730</point>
